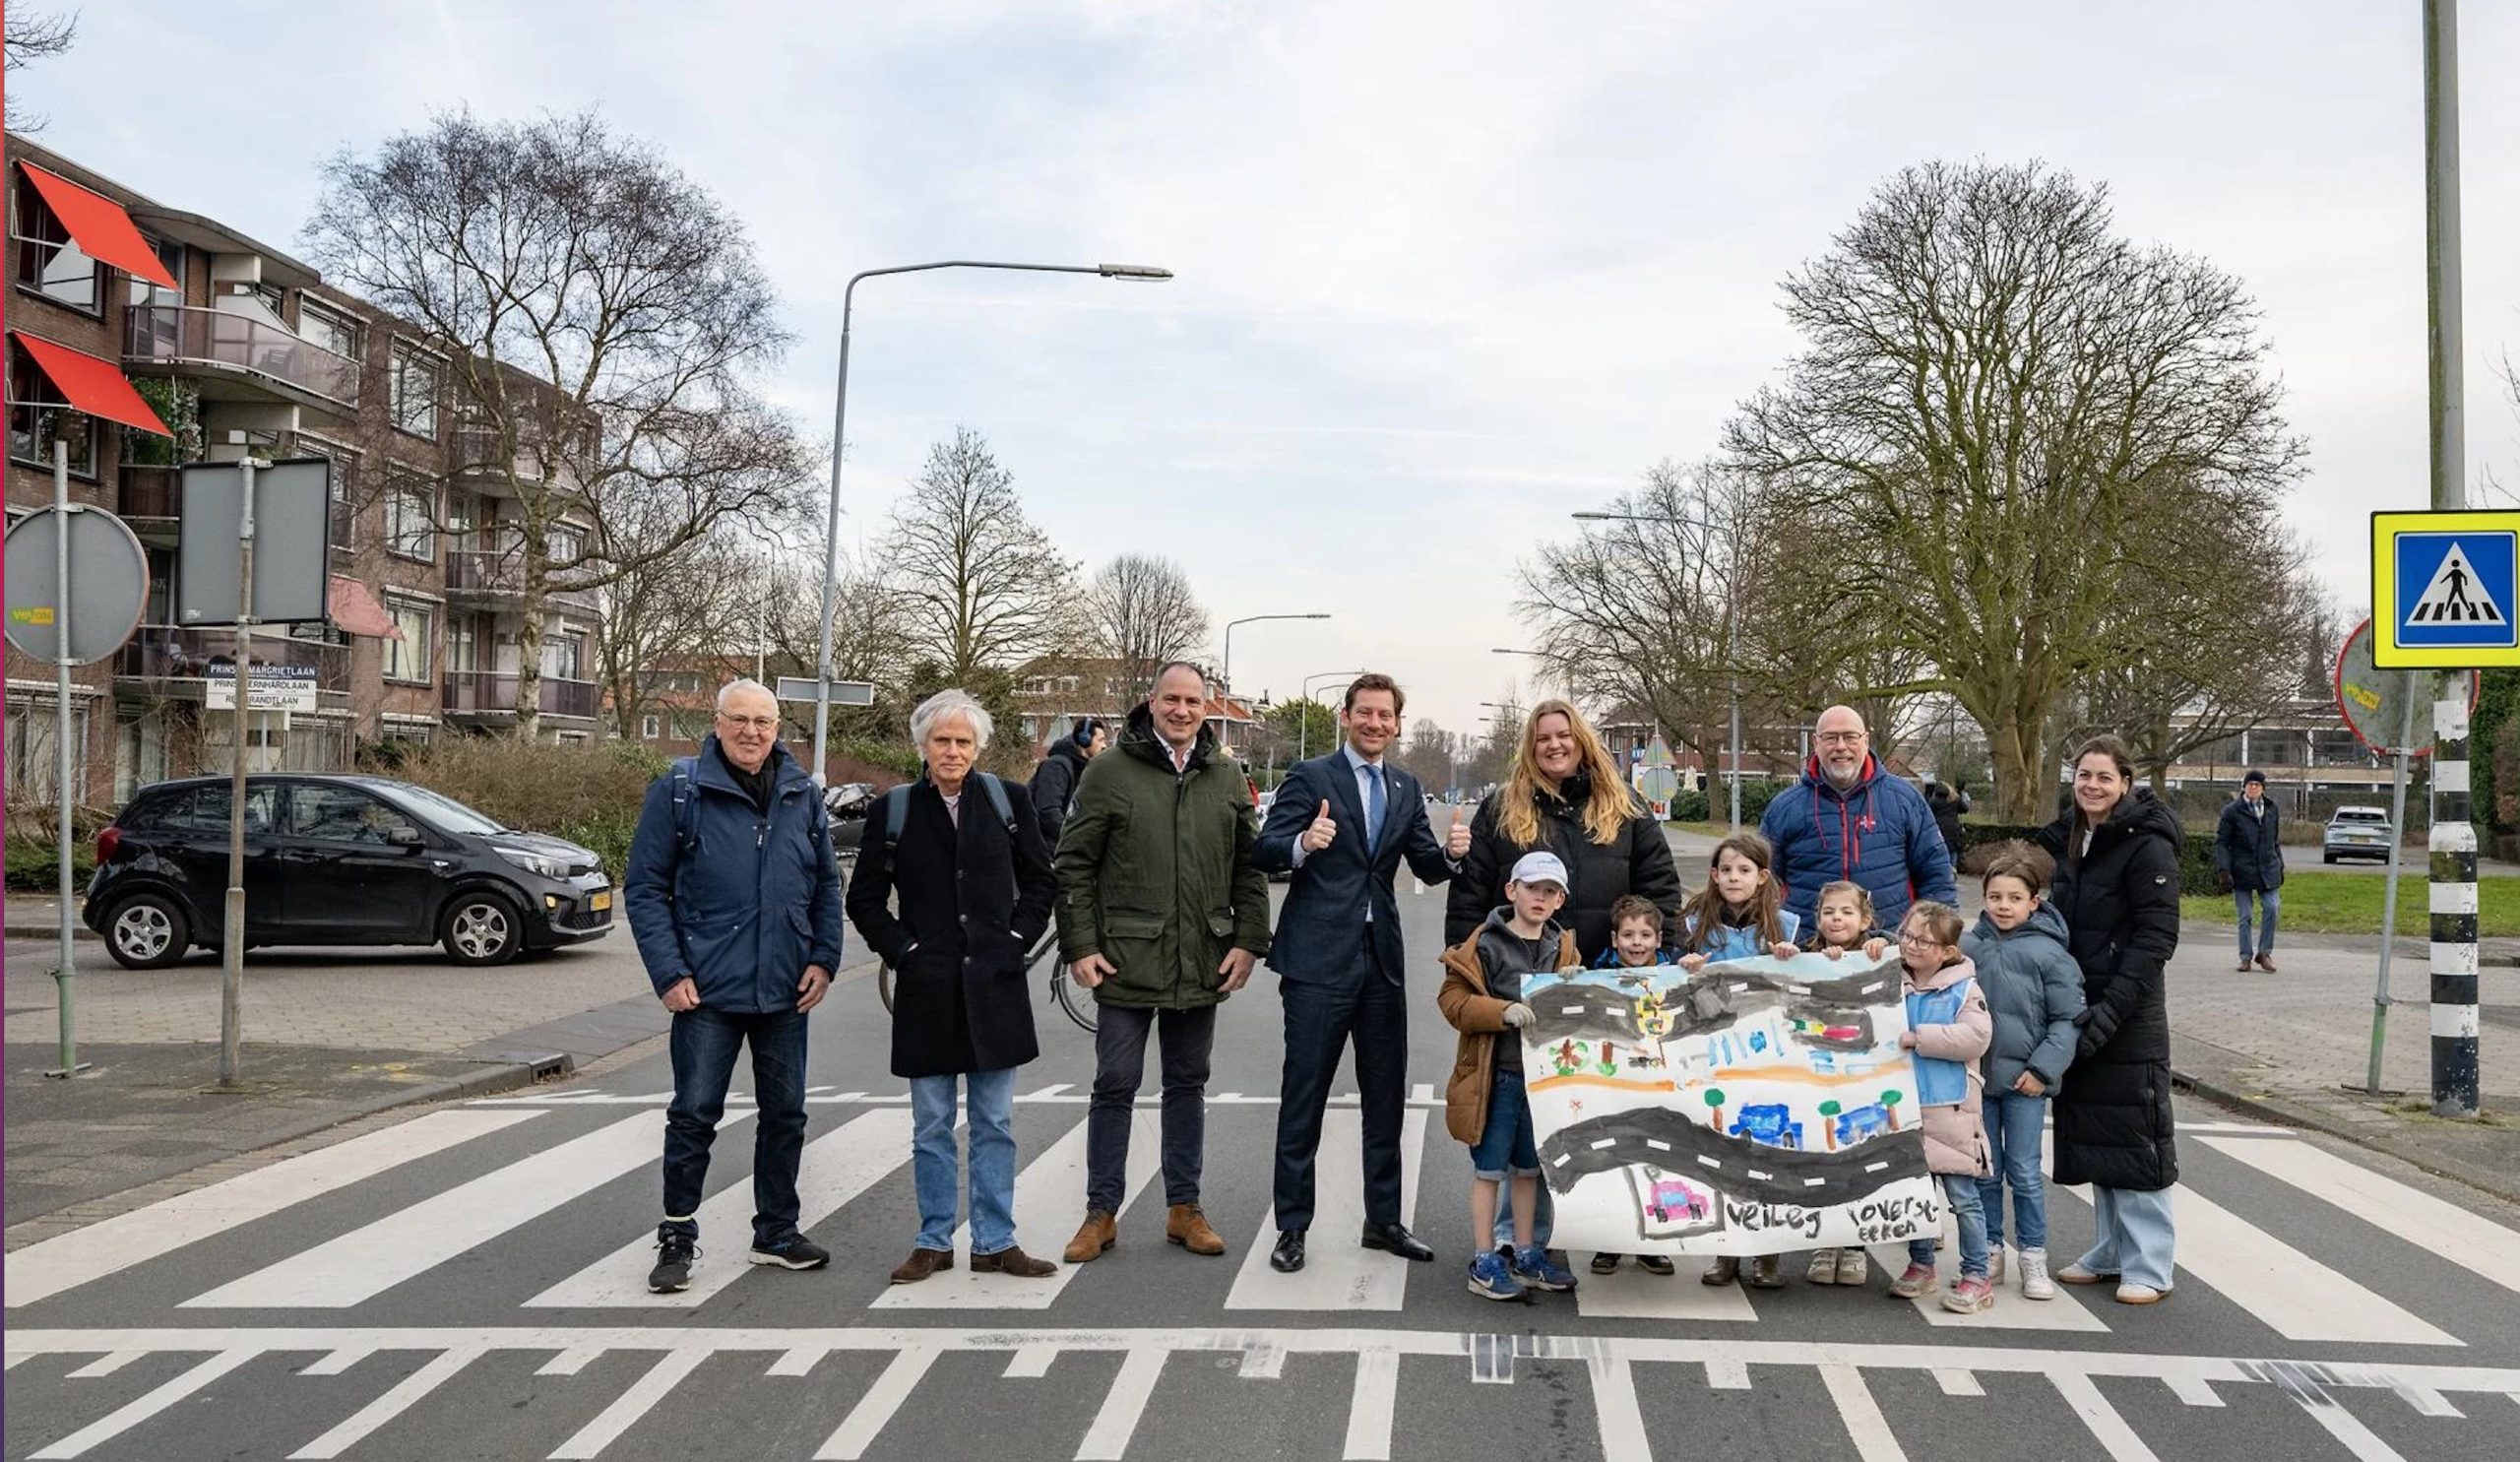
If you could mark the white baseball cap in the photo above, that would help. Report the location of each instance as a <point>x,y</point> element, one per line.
<point>1541,868</point>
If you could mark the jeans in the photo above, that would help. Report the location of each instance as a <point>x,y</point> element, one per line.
<point>702,1046</point>
<point>2013,1123</point>
<point>993,1162</point>
<point>2132,1235</point>
<point>2270,901</point>
<point>1959,1189</point>
<point>1506,1146</point>
<point>1119,1065</point>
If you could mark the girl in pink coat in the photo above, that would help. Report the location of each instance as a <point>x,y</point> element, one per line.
<point>1948,1031</point>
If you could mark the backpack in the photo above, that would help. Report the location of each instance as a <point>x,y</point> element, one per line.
<point>894,809</point>
<point>685,772</point>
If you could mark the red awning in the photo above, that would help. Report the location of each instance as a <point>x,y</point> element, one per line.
<point>91,384</point>
<point>357,610</point>
<point>100,225</point>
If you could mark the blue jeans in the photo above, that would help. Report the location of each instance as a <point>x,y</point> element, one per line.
<point>703,1047</point>
<point>2270,901</point>
<point>1506,1145</point>
<point>1960,1190</point>
<point>2132,1235</point>
<point>2013,1123</point>
<point>992,1143</point>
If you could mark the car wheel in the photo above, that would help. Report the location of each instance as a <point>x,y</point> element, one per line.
<point>147,931</point>
<point>481,928</point>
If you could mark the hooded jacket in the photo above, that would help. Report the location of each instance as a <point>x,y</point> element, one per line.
<point>1054,786</point>
<point>2120,900</point>
<point>1480,1016</point>
<point>1947,1013</point>
<point>1878,833</point>
<point>2035,990</point>
<point>1155,871</point>
<point>1636,860</point>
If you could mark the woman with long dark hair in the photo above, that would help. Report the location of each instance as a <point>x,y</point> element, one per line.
<point>2117,885</point>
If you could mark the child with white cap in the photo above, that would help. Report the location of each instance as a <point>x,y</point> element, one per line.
<point>1484,1105</point>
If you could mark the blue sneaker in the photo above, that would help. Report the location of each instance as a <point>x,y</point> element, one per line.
<point>1490,1278</point>
<point>1536,1269</point>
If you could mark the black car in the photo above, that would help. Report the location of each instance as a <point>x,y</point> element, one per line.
<point>337,861</point>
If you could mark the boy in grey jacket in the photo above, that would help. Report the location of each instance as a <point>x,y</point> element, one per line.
<point>2035,990</point>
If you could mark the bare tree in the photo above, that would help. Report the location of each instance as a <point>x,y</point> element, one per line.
<point>33,36</point>
<point>603,318</point>
<point>1143,612</point>
<point>985,587</point>
<point>2003,418</point>
<point>700,602</point>
<point>1428,755</point>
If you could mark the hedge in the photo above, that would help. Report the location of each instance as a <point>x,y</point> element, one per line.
<point>2195,851</point>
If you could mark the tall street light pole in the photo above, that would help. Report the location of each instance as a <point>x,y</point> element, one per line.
<point>1303,717</point>
<point>1225,673</point>
<point>1731,598</point>
<point>840,438</point>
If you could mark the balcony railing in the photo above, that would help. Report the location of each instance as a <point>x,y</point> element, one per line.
<point>487,571</point>
<point>164,652</point>
<point>493,692</point>
<point>222,339</point>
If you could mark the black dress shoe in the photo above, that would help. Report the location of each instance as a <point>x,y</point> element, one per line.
<point>1287,1256</point>
<point>1397,1240</point>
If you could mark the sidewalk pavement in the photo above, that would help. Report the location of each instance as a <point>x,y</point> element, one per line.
<point>331,1037</point>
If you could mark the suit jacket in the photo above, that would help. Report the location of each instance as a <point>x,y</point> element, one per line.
<point>1322,926</point>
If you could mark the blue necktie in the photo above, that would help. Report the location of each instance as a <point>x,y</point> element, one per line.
<point>1373,808</point>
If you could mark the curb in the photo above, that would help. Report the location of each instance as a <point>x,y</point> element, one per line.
<point>488,1081</point>
<point>79,932</point>
<point>2280,1113</point>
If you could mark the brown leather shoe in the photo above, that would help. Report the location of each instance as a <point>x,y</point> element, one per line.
<point>1186,1226</point>
<point>2266,962</point>
<point>1097,1233</point>
<point>924,1262</point>
<point>1014,1261</point>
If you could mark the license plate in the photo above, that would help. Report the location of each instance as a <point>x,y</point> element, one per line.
<point>600,902</point>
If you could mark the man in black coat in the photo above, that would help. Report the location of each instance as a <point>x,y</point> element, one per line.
<point>2248,862</point>
<point>1054,782</point>
<point>973,888</point>
<point>1342,824</point>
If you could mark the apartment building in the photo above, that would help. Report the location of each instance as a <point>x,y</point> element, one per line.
<point>146,336</point>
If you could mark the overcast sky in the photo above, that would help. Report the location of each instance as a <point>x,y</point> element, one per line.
<point>1446,271</point>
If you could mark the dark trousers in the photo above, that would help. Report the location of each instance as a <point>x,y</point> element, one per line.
<point>1119,1065</point>
<point>1371,1013</point>
<point>704,1044</point>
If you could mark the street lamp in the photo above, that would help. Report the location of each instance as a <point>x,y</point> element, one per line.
<point>1303,720</point>
<point>1731,596</point>
<point>839,439</point>
<point>1225,673</point>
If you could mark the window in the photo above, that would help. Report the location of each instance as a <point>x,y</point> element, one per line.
<point>408,659</point>
<point>204,810</point>
<point>413,390</point>
<point>342,814</point>
<point>564,657</point>
<point>464,645</point>
<point>50,264</point>
<point>333,330</point>
<point>650,727</point>
<point>33,722</point>
<point>411,521</point>
<point>407,730</point>
<point>39,415</point>
<point>563,545</point>
<point>146,292</point>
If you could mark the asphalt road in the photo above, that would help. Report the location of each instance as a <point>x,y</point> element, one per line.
<point>468,1285</point>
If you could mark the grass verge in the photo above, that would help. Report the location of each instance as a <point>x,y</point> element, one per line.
<point>2349,904</point>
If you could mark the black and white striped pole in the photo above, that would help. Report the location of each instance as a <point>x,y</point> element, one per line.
<point>2453,841</point>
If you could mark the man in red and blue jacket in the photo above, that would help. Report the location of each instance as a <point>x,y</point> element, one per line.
<point>1849,819</point>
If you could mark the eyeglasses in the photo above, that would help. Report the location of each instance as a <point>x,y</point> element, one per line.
<point>751,723</point>
<point>1924,941</point>
<point>1839,739</point>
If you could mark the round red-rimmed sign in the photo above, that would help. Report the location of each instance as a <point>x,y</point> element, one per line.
<point>2371,699</point>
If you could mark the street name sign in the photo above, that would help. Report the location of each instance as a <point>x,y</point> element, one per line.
<point>276,687</point>
<point>843,692</point>
<point>2445,588</point>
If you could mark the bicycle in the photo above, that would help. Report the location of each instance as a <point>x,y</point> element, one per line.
<point>1071,999</point>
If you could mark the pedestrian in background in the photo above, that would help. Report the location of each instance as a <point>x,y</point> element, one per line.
<point>733,895</point>
<point>954,907</point>
<point>2248,862</point>
<point>1054,786</point>
<point>2116,853</point>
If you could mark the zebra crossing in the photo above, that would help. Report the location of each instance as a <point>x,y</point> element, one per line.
<point>308,1272</point>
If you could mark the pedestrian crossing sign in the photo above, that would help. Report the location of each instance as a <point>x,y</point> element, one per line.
<point>2445,590</point>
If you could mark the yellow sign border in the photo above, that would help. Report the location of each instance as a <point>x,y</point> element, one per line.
<point>2386,652</point>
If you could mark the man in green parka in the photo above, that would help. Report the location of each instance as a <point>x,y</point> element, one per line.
<point>1161,914</point>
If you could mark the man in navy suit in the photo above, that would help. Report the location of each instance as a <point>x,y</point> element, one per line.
<point>1343,823</point>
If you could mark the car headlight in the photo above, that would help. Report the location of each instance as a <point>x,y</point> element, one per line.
<point>534,863</point>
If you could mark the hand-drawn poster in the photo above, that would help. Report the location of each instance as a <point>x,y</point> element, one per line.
<point>1761,1106</point>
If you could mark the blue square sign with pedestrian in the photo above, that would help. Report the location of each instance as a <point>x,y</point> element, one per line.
<point>2457,591</point>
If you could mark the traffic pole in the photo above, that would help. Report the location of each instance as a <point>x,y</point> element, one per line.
<point>65,974</point>
<point>2389,898</point>
<point>2453,841</point>
<point>231,963</point>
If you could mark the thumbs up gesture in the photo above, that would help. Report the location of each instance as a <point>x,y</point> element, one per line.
<point>1457,842</point>
<point>1319,835</point>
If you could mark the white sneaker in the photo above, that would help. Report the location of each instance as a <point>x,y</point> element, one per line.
<point>1824,1267</point>
<point>2035,1281</point>
<point>1854,1267</point>
<point>1995,1266</point>
<point>2129,1294</point>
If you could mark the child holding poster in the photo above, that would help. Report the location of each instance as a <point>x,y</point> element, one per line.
<point>1484,1105</point>
<point>1636,943</point>
<point>2034,988</point>
<point>1948,1030</point>
<point>1842,923</point>
<point>1741,913</point>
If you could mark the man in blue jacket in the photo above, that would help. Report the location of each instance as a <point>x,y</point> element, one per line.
<point>1342,824</point>
<point>734,897</point>
<point>1849,820</point>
